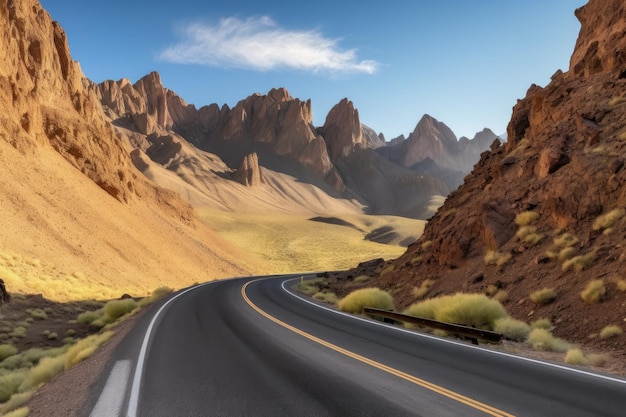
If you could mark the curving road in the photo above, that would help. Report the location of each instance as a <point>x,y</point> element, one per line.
<point>249,347</point>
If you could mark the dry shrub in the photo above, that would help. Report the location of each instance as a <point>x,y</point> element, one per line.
<point>594,292</point>
<point>493,257</point>
<point>84,348</point>
<point>361,279</point>
<point>598,359</point>
<point>611,330</point>
<point>427,245</point>
<point>20,412</point>
<point>512,329</point>
<point>327,297</point>
<point>10,383</point>
<point>88,317</point>
<point>526,217</point>
<point>45,370</point>
<point>579,263</point>
<point>566,240</point>
<point>366,297</point>
<point>542,324</point>
<point>16,401</point>
<point>542,339</point>
<point>621,284</point>
<point>607,221</point>
<point>7,350</point>
<point>576,357</point>
<point>115,309</point>
<point>468,309</point>
<point>543,296</point>
<point>566,253</point>
<point>421,291</point>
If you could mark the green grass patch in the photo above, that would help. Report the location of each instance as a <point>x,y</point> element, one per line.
<point>7,350</point>
<point>468,309</point>
<point>366,297</point>
<point>611,330</point>
<point>594,292</point>
<point>543,296</point>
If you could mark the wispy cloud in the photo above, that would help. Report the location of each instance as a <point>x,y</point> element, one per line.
<point>259,44</point>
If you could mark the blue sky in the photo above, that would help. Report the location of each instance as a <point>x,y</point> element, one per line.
<point>464,62</point>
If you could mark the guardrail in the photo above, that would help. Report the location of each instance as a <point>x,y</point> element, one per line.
<point>465,331</point>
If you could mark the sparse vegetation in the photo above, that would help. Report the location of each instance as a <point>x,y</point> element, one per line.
<point>366,297</point>
<point>579,263</point>
<point>542,339</point>
<point>608,221</point>
<point>526,218</point>
<point>543,296</point>
<point>512,329</point>
<point>327,297</point>
<point>421,291</point>
<point>576,357</point>
<point>493,257</point>
<point>469,309</point>
<point>609,331</point>
<point>594,292</point>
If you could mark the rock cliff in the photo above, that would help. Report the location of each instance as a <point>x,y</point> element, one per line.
<point>564,164</point>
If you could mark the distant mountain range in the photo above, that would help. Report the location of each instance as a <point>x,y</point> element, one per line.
<point>343,158</point>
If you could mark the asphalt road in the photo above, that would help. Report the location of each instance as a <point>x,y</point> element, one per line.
<point>248,347</point>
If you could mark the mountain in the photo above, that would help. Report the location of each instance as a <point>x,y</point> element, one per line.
<point>336,159</point>
<point>73,202</point>
<point>547,206</point>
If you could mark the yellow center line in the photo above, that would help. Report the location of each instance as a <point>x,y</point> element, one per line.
<point>403,375</point>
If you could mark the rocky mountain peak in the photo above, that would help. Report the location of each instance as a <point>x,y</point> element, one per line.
<point>342,130</point>
<point>601,45</point>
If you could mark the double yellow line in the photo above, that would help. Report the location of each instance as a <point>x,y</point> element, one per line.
<point>403,375</point>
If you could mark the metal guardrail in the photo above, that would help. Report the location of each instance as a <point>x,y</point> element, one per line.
<point>470,332</point>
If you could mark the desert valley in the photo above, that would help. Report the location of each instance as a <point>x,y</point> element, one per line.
<point>122,187</point>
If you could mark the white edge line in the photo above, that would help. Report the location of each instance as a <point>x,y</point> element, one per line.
<point>508,355</point>
<point>133,401</point>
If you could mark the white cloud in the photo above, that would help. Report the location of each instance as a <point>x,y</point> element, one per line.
<point>259,44</point>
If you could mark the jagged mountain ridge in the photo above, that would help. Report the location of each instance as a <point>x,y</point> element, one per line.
<point>72,196</point>
<point>563,160</point>
<point>279,129</point>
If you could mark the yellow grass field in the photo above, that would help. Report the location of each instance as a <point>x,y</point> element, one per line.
<point>293,243</point>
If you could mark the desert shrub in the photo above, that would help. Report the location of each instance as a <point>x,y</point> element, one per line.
<point>621,284</point>
<point>565,240</point>
<point>19,331</point>
<point>501,296</point>
<point>10,383</point>
<point>597,359</point>
<point>361,279</point>
<point>327,297</point>
<point>542,339</point>
<point>541,324</point>
<point>609,331</point>
<point>579,263</point>
<point>161,292</point>
<point>512,329</point>
<point>309,286</point>
<point>594,291</point>
<point>388,269</point>
<point>84,348</point>
<point>17,400</point>
<point>493,257</point>
<point>7,350</point>
<point>421,291</point>
<point>88,317</point>
<point>366,297</point>
<point>427,245</point>
<point>37,313</point>
<point>526,217</point>
<point>416,260</point>
<point>467,309</point>
<point>566,253</point>
<point>543,296</point>
<point>45,370</point>
<point>115,309</point>
<point>20,412</point>
<point>576,357</point>
<point>607,221</point>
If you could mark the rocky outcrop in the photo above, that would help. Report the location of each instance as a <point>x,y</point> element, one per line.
<point>342,130</point>
<point>601,43</point>
<point>44,100</point>
<point>564,161</point>
<point>249,173</point>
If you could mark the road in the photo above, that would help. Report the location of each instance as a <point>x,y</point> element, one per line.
<point>249,347</point>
